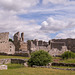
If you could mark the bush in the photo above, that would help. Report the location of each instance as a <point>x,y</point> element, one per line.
<point>10,40</point>
<point>39,58</point>
<point>67,55</point>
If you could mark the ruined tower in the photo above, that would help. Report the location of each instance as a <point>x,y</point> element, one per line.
<point>19,42</point>
<point>6,46</point>
<point>22,37</point>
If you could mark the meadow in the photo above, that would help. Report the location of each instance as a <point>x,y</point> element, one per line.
<point>17,69</point>
<point>19,57</point>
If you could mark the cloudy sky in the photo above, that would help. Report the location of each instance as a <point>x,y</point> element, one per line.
<point>38,19</point>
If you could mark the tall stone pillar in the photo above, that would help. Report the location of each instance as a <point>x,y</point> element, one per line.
<point>22,36</point>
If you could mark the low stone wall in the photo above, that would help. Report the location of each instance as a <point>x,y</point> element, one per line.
<point>64,64</point>
<point>18,61</point>
<point>5,61</point>
<point>17,54</point>
<point>72,69</point>
<point>13,61</point>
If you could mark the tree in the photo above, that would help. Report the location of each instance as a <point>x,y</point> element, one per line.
<point>39,58</point>
<point>10,40</point>
<point>67,55</point>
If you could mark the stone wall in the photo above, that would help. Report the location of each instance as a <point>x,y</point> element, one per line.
<point>4,38</point>
<point>57,52</point>
<point>6,46</point>
<point>13,61</point>
<point>18,61</point>
<point>19,43</point>
<point>70,43</point>
<point>57,45</point>
<point>54,48</point>
<point>64,64</point>
<point>72,69</point>
<point>34,45</point>
<point>5,61</point>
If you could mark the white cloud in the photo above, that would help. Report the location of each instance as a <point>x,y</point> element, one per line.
<point>17,4</point>
<point>52,25</point>
<point>10,22</point>
<point>21,6</point>
<point>65,2</point>
<point>66,34</point>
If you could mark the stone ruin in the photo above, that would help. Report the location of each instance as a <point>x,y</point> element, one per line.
<point>18,46</point>
<point>6,46</point>
<point>19,43</point>
<point>53,48</point>
<point>3,67</point>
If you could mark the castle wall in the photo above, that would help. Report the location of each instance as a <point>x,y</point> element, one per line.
<point>23,46</point>
<point>11,48</point>
<point>36,45</point>
<point>20,45</point>
<point>70,43</point>
<point>17,41</point>
<point>54,46</point>
<point>6,46</point>
<point>4,42</point>
<point>57,45</point>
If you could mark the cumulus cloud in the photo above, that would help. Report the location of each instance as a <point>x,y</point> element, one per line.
<point>17,4</point>
<point>52,25</point>
<point>66,34</point>
<point>21,6</point>
<point>14,24</point>
<point>10,22</point>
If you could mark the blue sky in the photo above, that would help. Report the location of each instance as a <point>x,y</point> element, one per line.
<point>38,19</point>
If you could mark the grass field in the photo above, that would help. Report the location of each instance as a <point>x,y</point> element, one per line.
<point>17,69</point>
<point>67,61</point>
<point>63,61</point>
<point>20,57</point>
<point>63,67</point>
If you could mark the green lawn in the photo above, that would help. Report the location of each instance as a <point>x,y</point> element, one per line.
<point>17,69</point>
<point>63,67</point>
<point>20,57</point>
<point>63,61</point>
<point>67,61</point>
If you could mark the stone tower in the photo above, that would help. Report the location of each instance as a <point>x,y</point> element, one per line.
<point>6,46</point>
<point>19,42</point>
<point>16,40</point>
<point>22,37</point>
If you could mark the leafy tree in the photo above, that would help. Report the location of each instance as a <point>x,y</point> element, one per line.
<point>67,55</point>
<point>10,40</point>
<point>39,58</point>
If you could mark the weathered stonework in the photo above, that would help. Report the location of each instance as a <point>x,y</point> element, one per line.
<point>3,67</point>
<point>18,46</point>
<point>53,48</point>
<point>70,43</point>
<point>6,46</point>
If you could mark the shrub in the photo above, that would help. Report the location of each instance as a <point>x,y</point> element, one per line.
<point>39,58</point>
<point>10,40</point>
<point>67,55</point>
